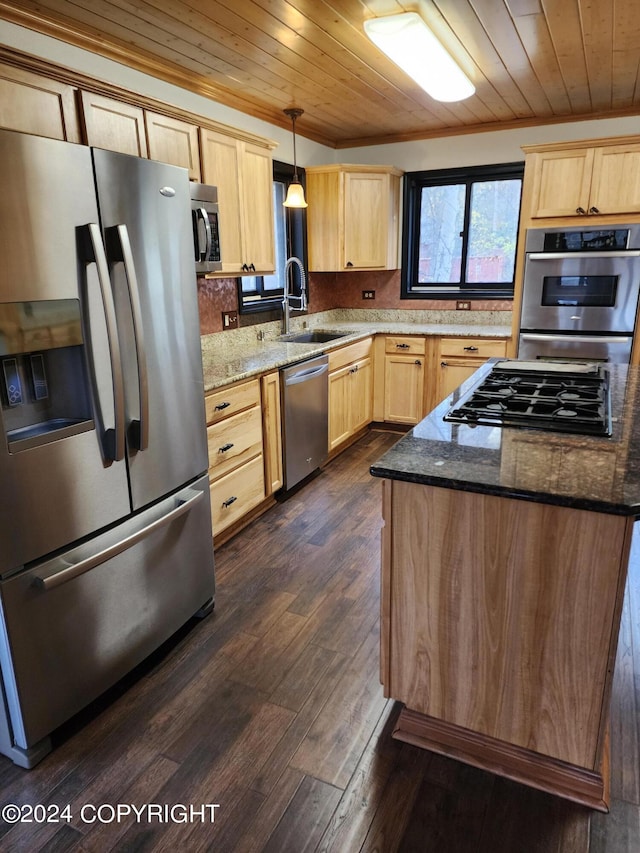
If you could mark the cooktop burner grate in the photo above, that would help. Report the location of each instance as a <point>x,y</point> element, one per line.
<point>560,397</point>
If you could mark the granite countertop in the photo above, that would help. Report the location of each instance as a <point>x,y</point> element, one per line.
<point>583,472</point>
<point>223,366</point>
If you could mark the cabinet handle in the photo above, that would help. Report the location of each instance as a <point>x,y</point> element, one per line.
<point>402,346</point>
<point>252,267</point>
<point>245,268</point>
<point>444,364</point>
<point>417,361</point>
<point>229,501</point>
<point>593,210</point>
<point>221,406</point>
<point>225,447</point>
<point>471,349</point>
<point>349,264</point>
<point>581,211</point>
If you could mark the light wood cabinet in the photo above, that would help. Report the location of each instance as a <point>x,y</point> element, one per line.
<point>242,171</point>
<point>585,179</point>
<point>350,391</point>
<point>459,358</point>
<point>236,462</point>
<point>404,379</point>
<point>352,220</point>
<point>35,104</point>
<point>173,141</point>
<point>272,431</point>
<point>114,125</point>
<point>474,586</point>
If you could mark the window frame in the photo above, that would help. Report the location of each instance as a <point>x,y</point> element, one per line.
<point>296,244</point>
<point>412,189</point>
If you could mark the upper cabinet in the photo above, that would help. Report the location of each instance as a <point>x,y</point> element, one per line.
<point>242,170</point>
<point>114,125</point>
<point>34,104</point>
<point>585,179</point>
<point>173,141</point>
<point>352,217</point>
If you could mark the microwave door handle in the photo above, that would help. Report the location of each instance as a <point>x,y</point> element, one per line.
<point>120,252</point>
<point>202,214</point>
<point>114,439</point>
<point>563,256</point>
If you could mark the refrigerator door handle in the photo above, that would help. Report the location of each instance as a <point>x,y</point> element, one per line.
<point>114,438</point>
<point>202,214</point>
<point>186,502</point>
<point>120,252</point>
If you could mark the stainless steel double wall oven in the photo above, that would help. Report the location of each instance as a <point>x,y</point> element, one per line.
<point>580,293</point>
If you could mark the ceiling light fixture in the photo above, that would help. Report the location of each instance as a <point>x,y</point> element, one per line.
<point>295,193</point>
<point>409,43</point>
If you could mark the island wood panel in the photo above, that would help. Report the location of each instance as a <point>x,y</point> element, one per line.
<point>503,616</point>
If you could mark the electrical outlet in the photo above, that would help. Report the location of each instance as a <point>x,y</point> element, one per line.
<point>463,306</point>
<point>229,319</point>
<point>368,294</point>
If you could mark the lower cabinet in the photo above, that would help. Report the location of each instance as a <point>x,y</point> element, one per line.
<point>460,357</point>
<point>236,458</point>
<point>350,391</point>
<point>272,431</point>
<point>404,379</point>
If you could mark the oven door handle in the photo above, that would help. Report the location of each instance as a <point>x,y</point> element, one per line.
<point>581,339</point>
<point>563,256</point>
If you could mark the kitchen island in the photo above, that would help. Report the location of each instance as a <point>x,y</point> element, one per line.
<point>504,559</point>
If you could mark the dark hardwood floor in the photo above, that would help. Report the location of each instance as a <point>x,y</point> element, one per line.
<point>271,707</point>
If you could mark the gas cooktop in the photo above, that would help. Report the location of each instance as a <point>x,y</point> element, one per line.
<point>559,396</point>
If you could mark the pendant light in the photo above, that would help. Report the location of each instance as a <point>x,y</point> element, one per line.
<point>295,193</point>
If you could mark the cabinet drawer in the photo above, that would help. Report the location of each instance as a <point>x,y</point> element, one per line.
<point>235,494</point>
<point>231,399</point>
<point>346,355</point>
<point>472,347</point>
<point>234,441</point>
<point>404,345</point>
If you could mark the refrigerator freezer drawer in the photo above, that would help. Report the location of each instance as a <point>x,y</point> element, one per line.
<point>76,624</point>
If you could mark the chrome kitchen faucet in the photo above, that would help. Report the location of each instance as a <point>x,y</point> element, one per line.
<point>286,300</point>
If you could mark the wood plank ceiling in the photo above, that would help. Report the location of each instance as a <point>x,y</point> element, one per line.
<point>532,61</point>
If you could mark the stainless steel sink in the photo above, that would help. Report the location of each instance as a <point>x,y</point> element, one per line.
<point>313,337</point>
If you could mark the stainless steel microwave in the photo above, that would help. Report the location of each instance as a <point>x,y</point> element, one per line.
<point>206,232</point>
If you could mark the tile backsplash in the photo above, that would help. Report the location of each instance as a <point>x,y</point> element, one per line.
<point>329,291</point>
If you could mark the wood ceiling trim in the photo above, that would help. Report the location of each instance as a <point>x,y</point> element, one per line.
<point>516,124</point>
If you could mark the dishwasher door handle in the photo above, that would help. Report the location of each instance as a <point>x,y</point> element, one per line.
<point>305,375</point>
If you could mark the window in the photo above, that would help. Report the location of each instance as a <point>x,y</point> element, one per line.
<point>264,293</point>
<point>460,232</point>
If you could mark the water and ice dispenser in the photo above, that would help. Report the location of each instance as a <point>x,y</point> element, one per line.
<point>44,386</point>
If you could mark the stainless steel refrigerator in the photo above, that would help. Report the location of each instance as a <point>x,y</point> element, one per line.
<point>105,525</point>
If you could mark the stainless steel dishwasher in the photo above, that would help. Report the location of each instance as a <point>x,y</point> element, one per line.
<point>305,406</point>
